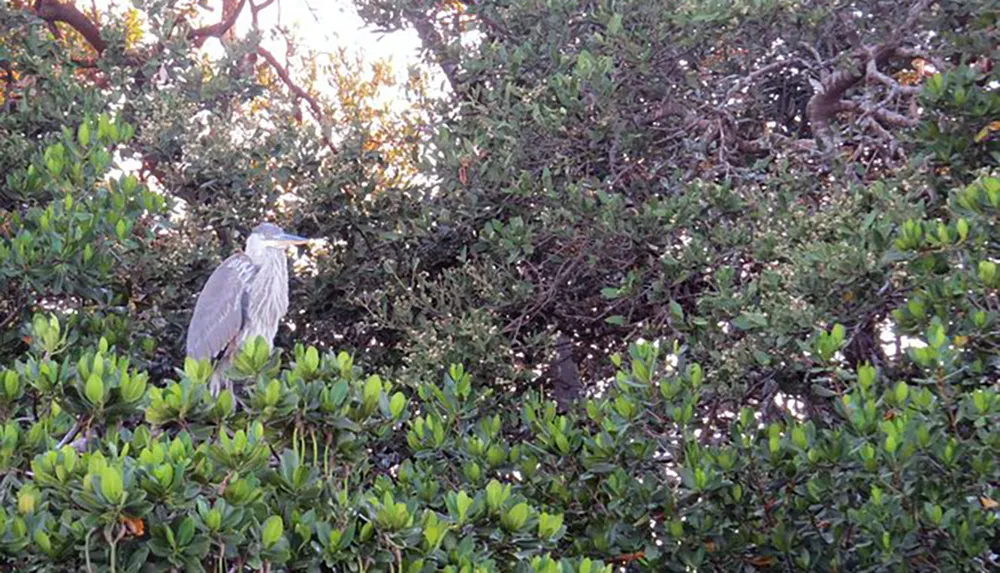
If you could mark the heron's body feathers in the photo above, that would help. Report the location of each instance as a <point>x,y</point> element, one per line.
<point>219,314</point>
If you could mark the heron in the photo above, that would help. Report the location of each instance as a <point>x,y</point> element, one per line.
<point>245,297</point>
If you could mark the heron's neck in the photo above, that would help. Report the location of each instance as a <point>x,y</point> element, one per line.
<point>272,264</point>
<point>264,256</point>
<point>268,293</point>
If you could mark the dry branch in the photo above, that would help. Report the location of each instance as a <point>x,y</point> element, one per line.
<point>55,11</point>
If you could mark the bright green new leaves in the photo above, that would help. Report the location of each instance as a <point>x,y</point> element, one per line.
<point>391,515</point>
<point>275,513</point>
<point>94,390</point>
<point>271,531</point>
<point>515,517</point>
<point>434,531</point>
<point>198,371</point>
<point>73,241</point>
<point>497,495</point>
<point>396,405</point>
<point>461,507</point>
<point>371,395</point>
<point>253,360</point>
<point>112,484</point>
<point>988,273</point>
<point>828,343</point>
<point>549,525</point>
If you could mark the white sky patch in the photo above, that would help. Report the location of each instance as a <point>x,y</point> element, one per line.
<point>887,336</point>
<point>794,406</point>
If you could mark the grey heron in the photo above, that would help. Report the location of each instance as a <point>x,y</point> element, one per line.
<point>245,297</point>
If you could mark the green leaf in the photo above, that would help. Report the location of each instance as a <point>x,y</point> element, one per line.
<point>339,392</point>
<point>890,444</point>
<point>312,358</point>
<point>866,375</point>
<point>94,390</point>
<point>515,518</point>
<point>799,437</point>
<point>987,272</point>
<point>373,388</point>
<point>42,540</point>
<point>615,24</point>
<point>83,134</point>
<point>462,503</point>
<point>496,494</point>
<point>185,533</point>
<point>676,311</point>
<point>838,334</point>
<point>133,387</point>
<point>272,530</point>
<point>548,525</point>
<point>12,384</point>
<point>750,321</point>
<point>397,404</point>
<point>901,392</point>
<point>111,484</point>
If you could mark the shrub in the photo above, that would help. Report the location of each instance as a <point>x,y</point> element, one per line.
<point>324,468</point>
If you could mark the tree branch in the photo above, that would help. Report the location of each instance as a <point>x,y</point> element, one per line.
<point>255,9</point>
<point>70,434</point>
<point>53,11</point>
<point>199,35</point>
<point>433,41</point>
<point>296,89</point>
<point>827,101</point>
<point>769,68</point>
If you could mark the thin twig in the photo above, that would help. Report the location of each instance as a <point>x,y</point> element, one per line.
<point>70,435</point>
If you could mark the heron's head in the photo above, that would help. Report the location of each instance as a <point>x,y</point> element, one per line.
<point>271,236</point>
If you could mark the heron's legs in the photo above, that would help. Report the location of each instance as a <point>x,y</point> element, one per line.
<point>218,382</point>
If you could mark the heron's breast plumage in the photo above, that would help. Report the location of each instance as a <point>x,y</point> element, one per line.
<point>267,298</point>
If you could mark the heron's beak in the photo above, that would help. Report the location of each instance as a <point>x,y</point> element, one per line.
<point>286,239</point>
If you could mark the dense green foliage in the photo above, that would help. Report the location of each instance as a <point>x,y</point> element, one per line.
<point>906,480</point>
<point>769,227</point>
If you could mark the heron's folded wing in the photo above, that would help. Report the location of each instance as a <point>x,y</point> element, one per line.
<point>218,314</point>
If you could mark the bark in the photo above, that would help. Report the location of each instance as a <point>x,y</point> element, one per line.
<point>53,11</point>
<point>828,100</point>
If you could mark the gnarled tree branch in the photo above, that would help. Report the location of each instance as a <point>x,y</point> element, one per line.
<point>53,11</point>
<point>828,100</point>
<point>824,105</point>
